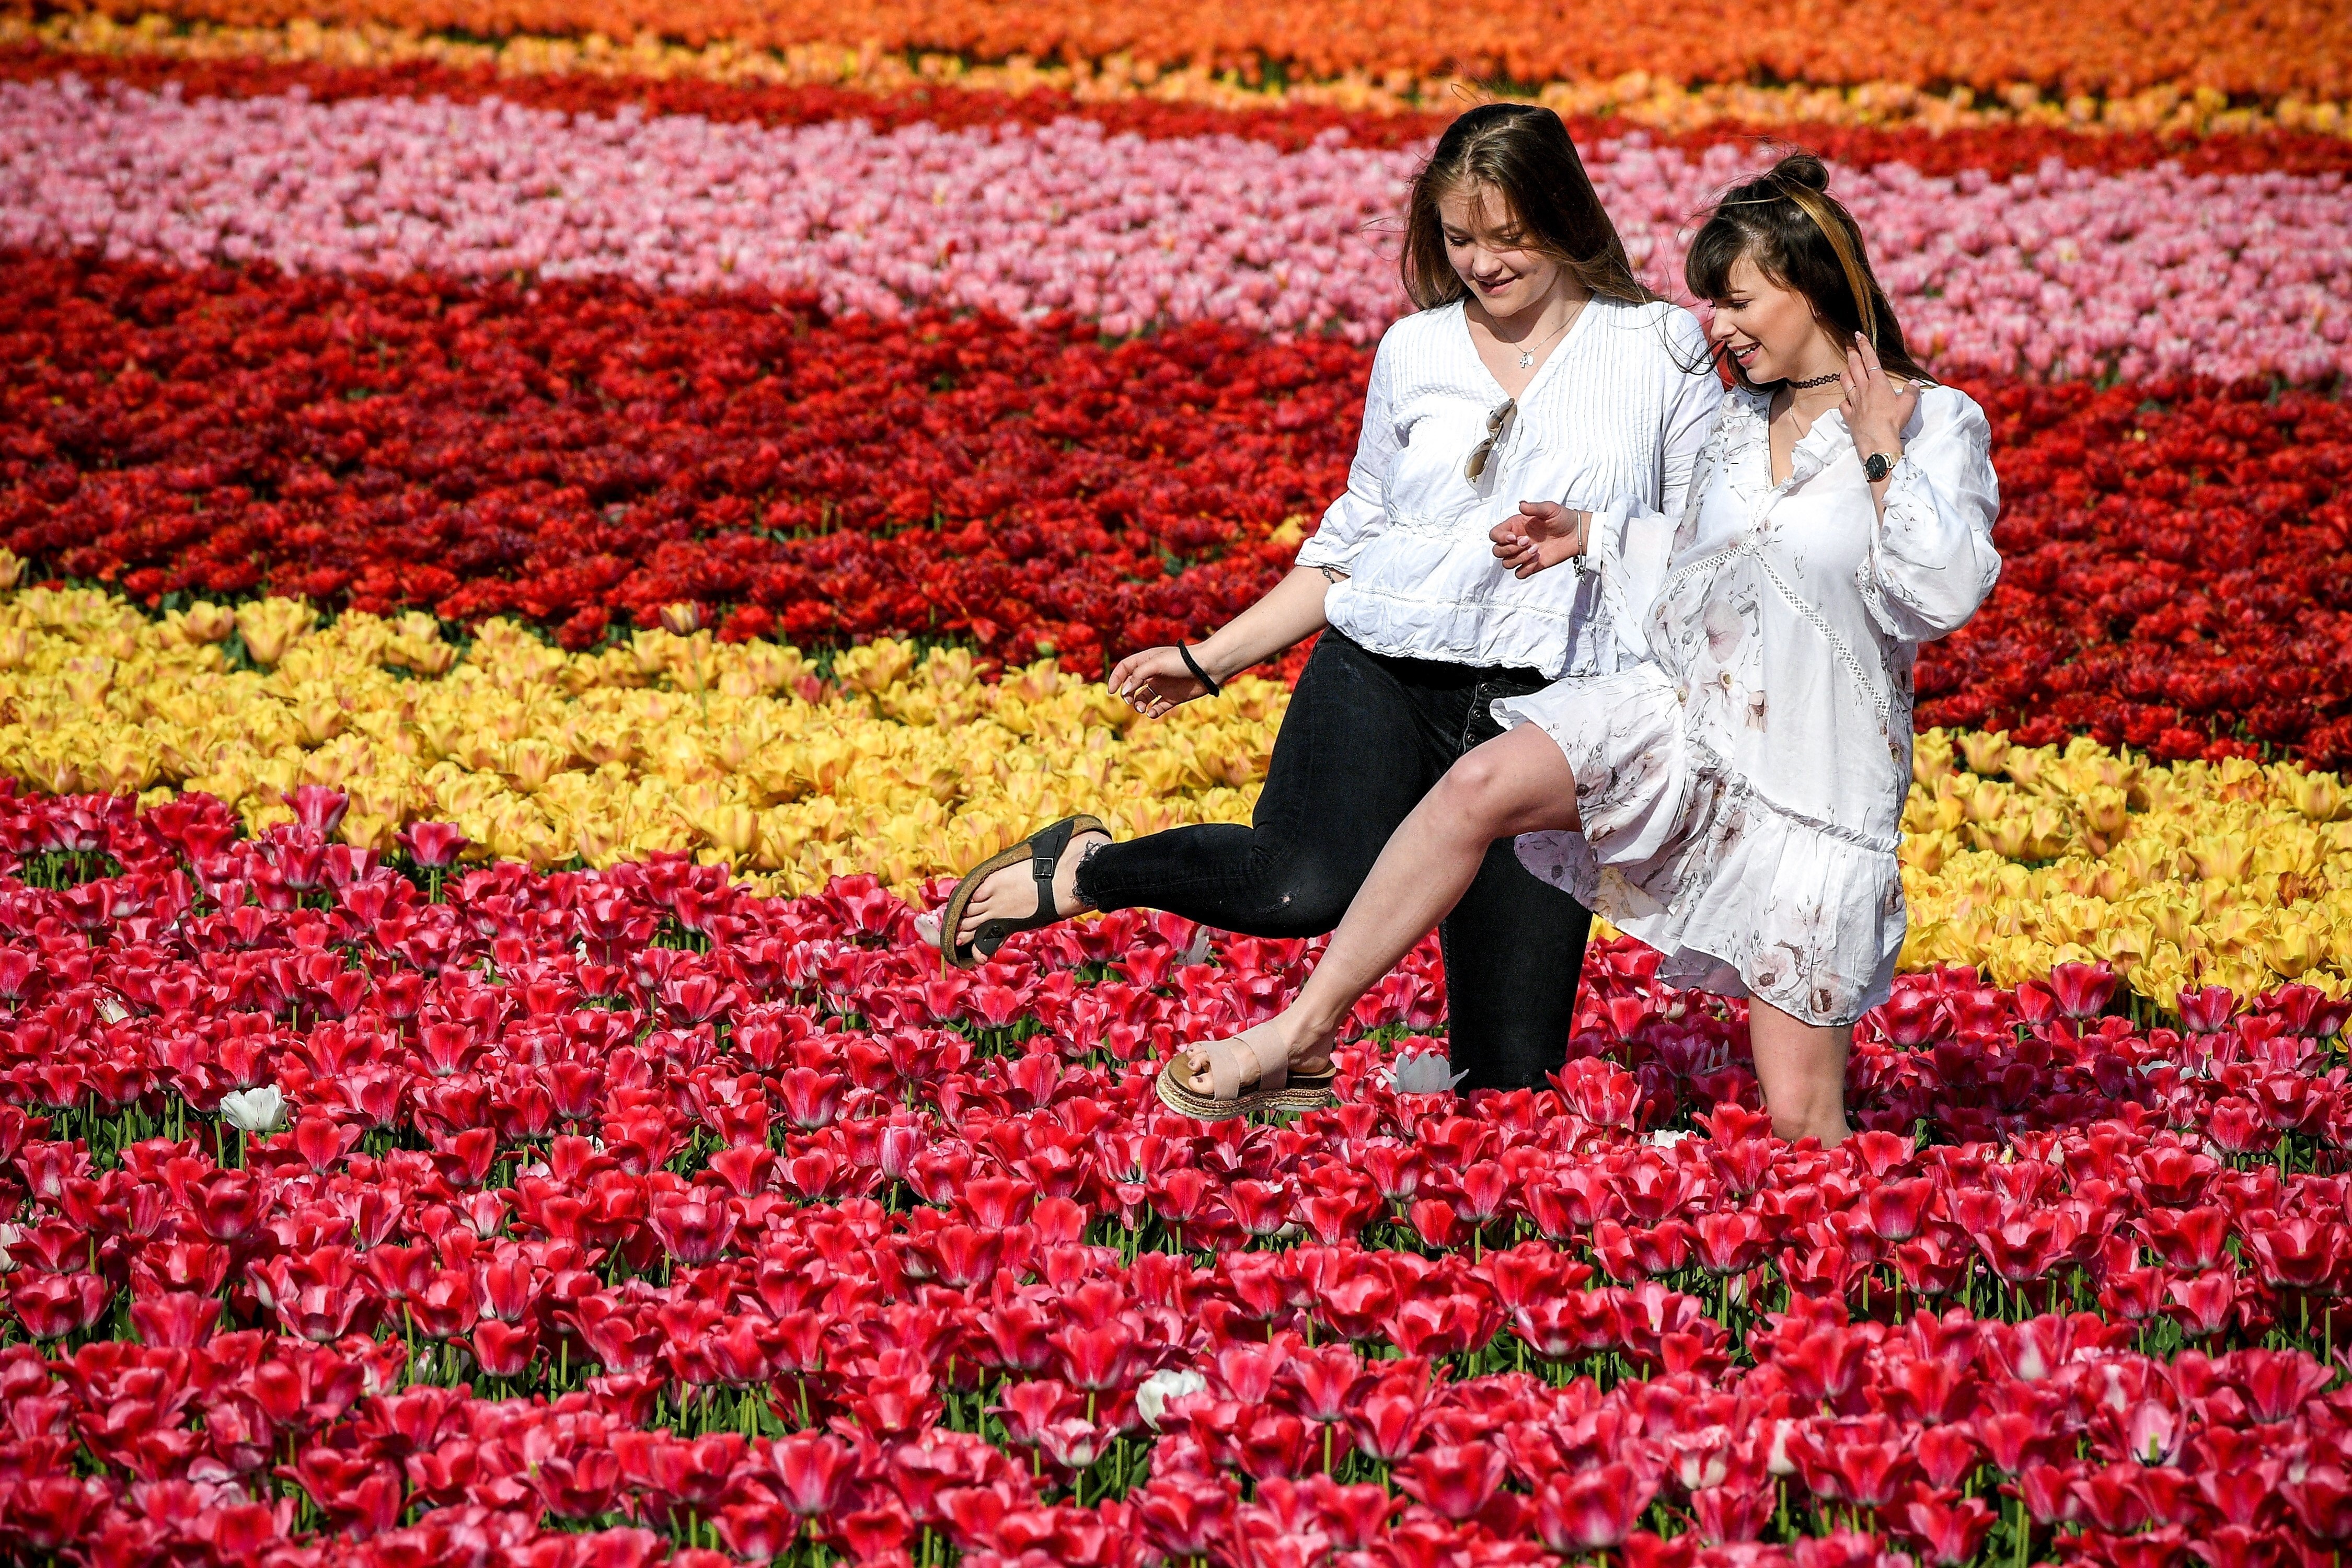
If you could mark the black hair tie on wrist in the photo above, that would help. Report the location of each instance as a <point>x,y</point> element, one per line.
<point>1199,674</point>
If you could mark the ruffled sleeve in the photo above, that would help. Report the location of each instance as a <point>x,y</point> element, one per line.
<point>1355,519</point>
<point>1691,413</point>
<point>1628,550</point>
<point>1932,560</point>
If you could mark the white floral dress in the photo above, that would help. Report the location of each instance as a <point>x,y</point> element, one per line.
<point>1741,783</point>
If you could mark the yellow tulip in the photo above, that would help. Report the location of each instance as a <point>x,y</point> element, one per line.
<point>208,623</point>
<point>529,762</point>
<point>2318,796</point>
<point>273,626</point>
<point>2223,857</point>
<point>1986,753</point>
<point>734,829</point>
<point>2025,764</point>
<point>2291,947</point>
<point>1931,758</point>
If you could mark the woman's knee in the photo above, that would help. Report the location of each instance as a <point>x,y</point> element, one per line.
<point>1517,783</point>
<point>1477,797</point>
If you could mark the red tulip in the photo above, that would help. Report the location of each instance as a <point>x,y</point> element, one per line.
<point>503,1349</point>
<point>810,1470</point>
<point>2207,1010</point>
<point>1453,1480</point>
<point>694,1226</point>
<point>2202,1304</point>
<point>51,1306</point>
<point>1593,1510</point>
<point>1949,1533</point>
<point>434,845</point>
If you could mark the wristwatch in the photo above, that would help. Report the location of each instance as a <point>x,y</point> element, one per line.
<point>1877,466</point>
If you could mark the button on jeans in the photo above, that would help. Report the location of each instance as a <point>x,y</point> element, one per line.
<point>1365,738</point>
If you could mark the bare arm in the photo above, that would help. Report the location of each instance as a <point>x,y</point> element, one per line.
<point>1157,680</point>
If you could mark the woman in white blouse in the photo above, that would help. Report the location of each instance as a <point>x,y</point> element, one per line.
<point>1539,366</point>
<point>1734,796</point>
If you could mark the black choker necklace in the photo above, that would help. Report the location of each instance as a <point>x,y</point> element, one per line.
<point>1817,380</point>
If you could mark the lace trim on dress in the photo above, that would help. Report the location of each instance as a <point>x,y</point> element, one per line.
<point>1878,700</point>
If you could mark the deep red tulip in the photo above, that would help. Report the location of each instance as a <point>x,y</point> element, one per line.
<point>434,845</point>
<point>504,1349</point>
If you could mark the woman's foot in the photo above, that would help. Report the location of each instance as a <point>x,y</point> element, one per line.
<point>1261,1068</point>
<point>1309,1050</point>
<point>1010,893</point>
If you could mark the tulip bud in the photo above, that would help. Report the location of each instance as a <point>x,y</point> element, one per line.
<point>257,1112</point>
<point>1424,1073</point>
<point>682,619</point>
<point>206,622</point>
<point>1153,1397</point>
<point>434,845</point>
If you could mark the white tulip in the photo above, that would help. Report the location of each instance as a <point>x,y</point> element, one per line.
<point>1667,1137</point>
<point>1152,1400</point>
<point>1424,1073</point>
<point>259,1111</point>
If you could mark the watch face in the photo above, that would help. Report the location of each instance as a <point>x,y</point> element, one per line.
<point>1877,466</point>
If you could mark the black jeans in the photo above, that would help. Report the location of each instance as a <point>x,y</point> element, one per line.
<point>1366,737</point>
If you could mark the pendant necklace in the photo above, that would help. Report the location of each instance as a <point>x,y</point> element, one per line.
<point>1528,355</point>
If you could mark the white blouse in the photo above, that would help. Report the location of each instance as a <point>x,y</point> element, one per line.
<point>1618,413</point>
<point>1741,784</point>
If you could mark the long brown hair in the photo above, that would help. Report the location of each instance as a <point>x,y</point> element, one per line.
<point>1524,153</point>
<point>1801,237</point>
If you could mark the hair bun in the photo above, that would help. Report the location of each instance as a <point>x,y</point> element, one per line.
<point>1802,169</point>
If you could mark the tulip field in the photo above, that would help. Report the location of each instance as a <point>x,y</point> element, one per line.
<point>534,539</point>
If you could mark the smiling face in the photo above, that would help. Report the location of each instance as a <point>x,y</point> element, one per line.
<point>1490,256</point>
<point>1770,330</point>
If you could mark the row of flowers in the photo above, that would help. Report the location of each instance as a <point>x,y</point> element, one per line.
<point>890,763</point>
<point>2063,272</point>
<point>593,70</point>
<point>603,1216</point>
<point>582,457</point>
<point>2169,574</point>
<point>2018,859</point>
<point>2268,49</point>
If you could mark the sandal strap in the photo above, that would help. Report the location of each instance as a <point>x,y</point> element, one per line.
<point>1253,1052</point>
<point>1046,849</point>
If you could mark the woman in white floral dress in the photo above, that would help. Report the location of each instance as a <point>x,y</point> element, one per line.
<point>1733,793</point>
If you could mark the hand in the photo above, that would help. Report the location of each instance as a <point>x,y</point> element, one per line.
<point>1541,533</point>
<point>1877,405</point>
<point>1155,682</point>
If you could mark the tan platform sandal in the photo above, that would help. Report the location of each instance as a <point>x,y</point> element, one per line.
<point>1249,1072</point>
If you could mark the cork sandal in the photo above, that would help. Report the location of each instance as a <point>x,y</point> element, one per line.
<point>1250,1072</point>
<point>1042,849</point>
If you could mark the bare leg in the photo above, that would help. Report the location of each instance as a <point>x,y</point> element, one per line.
<point>1801,1067</point>
<point>1517,782</point>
